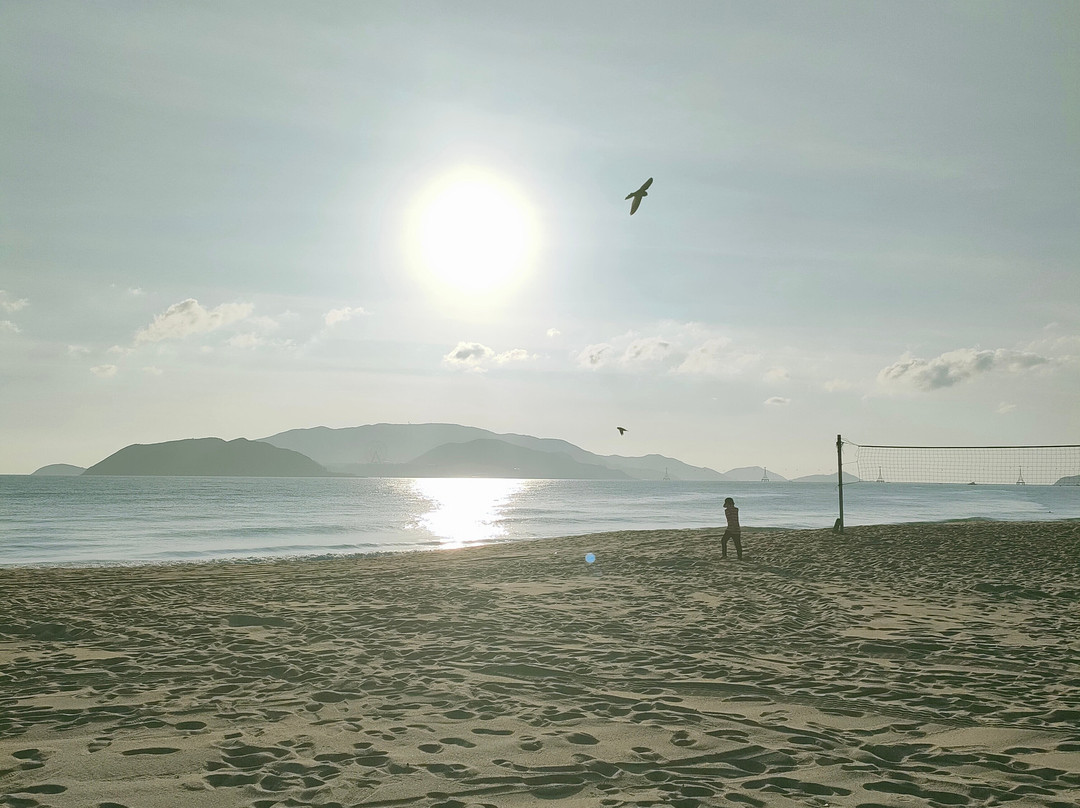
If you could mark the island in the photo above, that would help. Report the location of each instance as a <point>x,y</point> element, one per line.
<point>208,457</point>
<point>58,470</point>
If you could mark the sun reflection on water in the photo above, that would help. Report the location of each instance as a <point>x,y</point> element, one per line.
<point>465,512</point>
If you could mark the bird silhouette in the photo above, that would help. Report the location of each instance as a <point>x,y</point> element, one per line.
<point>621,429</point>
<point>638,195</point>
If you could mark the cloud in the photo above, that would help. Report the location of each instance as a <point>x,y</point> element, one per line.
<point>183,319</point>
<point>838,385</point>
<point>342,314</point>
<point>104,371</point>
<point>953,367</point>
<point>553,332</point>
<point>513,355</point>
<point>153,371</point>
<point>648,351</point>
<point>136,291</point>
<point>7,325</point>
<point>777,375</point>
<point>1005,409</point>
<point>777,401</point>
<point>77,350</point>
<point>595,356</point>
<point>8,303</point>
<point>248,340</point>
<point>715,357</point>
<point>477,357</point>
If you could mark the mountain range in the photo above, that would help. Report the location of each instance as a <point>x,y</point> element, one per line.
<point>376,449</point>
<point>403,450</point>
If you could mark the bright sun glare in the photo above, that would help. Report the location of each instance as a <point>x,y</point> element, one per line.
<point>472,232</point>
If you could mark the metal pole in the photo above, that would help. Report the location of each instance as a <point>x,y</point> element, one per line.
<point>840,481</point>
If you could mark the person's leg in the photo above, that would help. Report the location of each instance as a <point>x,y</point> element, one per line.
<point>738,546</point>
<point>723,545</point>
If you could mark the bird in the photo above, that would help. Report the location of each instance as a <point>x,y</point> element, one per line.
<point>638,195</point>
<point>622,429</point>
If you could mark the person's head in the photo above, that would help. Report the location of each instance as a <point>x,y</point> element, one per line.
<point>729,503</point>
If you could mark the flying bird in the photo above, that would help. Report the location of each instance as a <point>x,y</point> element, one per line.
<point>621,429</point>
<point>638,195</point>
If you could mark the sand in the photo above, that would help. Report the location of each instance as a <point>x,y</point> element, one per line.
<point>908,665</point>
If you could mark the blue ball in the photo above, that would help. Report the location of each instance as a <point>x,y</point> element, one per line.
<point>589,558</point>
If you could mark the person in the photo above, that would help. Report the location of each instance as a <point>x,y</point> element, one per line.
<point>733,531</point>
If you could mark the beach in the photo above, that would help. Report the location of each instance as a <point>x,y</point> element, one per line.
<point>903,665</point>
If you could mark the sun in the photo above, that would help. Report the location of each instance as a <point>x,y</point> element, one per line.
<point>472,232</point>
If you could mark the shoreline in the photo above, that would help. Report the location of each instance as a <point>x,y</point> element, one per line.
<point>921,665</point>
<point>718,529</point>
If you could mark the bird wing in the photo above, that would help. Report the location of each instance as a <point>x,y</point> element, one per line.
<point>630,196</point>
<point>645,187</point>
<point>634,204</point>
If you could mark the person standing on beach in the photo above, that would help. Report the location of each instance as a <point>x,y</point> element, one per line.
<point>733,531</point>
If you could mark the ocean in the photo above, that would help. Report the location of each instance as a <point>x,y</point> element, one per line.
<point>136,520</point>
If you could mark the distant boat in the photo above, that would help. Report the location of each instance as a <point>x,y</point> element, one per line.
<point>765,475</point>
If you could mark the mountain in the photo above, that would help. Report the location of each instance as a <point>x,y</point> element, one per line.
<point>1072,480</point>
<point>379,449</point>
<point>209,457</point>
<point>752,474</point>
<point>486,457</point>
<point>59,470</point>
<point>825,478</point>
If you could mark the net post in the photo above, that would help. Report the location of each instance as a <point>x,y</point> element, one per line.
<point>839,526</point>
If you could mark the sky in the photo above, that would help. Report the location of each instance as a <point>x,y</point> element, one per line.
<point>236,218</point>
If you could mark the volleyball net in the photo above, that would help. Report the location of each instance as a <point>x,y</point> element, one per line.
<point>964,465</point>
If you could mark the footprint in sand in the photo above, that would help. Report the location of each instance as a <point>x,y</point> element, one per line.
<point>31,759</point>
<point>529,744</point>
<point>457,742</point>
<point>582,739</point>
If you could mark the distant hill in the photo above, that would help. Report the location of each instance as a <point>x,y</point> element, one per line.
<point>825,478</point>
<point>385,449</point>
<point>752,474</point>
<point>59,470</point>
<point>208,457</point>
<point>495,458</point>
<point>1072,480</point>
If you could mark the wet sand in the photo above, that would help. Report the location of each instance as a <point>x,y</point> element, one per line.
<point>905,665</point>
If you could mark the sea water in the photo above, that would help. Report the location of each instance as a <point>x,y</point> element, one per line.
<point>123,520</point>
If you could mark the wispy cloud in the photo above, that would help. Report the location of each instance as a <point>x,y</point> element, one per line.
<point>246,340</point>
<point>104,371</point>
<point>953,367</point>
<point>477,357</point>
<point>10,327</point>
<point>595,356</point>
<point>777,401</point>
<point>553,332</point>
<point>9,303</point>
<point>341,315</point>
<point>183,319</point>
<point>1004,408</point>
<point>690,350</point>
